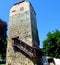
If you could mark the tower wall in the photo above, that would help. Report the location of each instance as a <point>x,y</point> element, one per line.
<point>22,25</point>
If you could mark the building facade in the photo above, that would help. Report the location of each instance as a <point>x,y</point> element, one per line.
<point>22,23</point>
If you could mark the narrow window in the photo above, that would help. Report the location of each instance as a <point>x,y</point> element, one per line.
<point>22,8</point>
<point>13,10</point>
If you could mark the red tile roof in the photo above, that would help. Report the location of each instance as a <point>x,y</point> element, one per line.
<point>2,22</point>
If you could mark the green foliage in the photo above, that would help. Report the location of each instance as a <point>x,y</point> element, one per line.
<point>2,64</point>
<point>51,46</point>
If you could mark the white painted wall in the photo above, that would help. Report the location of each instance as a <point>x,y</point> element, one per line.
<point>45,60</point>
<point>57,61</point>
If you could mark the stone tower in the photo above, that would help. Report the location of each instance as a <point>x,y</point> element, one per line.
<point>22,23</point>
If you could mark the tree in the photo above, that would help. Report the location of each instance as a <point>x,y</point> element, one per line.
<point>3,36</point>
<point>51,46</point>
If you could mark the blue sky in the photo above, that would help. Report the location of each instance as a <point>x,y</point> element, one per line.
<point>47,14</point>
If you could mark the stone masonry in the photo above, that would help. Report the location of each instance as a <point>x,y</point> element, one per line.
<point>22,23</point>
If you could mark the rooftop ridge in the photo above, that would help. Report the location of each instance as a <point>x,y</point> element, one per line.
<point>20,2</point>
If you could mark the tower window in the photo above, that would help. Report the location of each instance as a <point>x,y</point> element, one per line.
<point>13,10</point>
<point>22,8</point>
